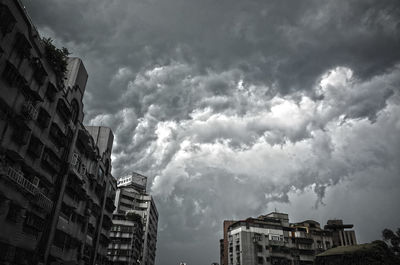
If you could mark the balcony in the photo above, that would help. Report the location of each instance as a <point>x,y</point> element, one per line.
<point>43,202</point>
<point>18,177</point>
<point>304,240</point>
<point>29,111</point>
<point>276,243</point>
<point>39,198</point>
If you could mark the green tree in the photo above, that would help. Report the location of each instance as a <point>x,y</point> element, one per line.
<point>392,239</point>
<point>57,58</point>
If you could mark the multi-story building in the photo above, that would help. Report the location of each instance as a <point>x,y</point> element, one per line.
<point>56,188</point>
<point>223,243</point>
<point>271,239</point>
<point>126,239</point>
<point>131,197</point>
<point>341,237</point>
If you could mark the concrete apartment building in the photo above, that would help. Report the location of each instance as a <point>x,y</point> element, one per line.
<point>271,239</point>
<point>56,189</point>
<point>132,197</point>
<point>126,239</point>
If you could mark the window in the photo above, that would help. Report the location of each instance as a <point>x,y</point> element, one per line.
<point>7,20</point>
<point>33,223</point>
<point>51,92</point>
<point>39,72</point>
<point>43,118</point>
<point>21,134</point>
<point>22,45</point>
<point>14,211</point>
<point>62,240</point>
<point>260,260</point>
<point>12,76</point>
<point>35,147</point>
<point>74,111</point>
<point>259,248</point>
<point>328,244</point>
<point>63,110</point>
<point>57,135</point>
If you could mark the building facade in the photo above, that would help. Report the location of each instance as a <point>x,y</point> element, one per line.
<point>341,237</point>
<point>56,188</point>
<point>223,247</point>
<point>126,239</point>
<point>132,197</point>
<point>271,239</point>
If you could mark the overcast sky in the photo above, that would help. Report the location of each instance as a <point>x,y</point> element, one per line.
<point>235,108</point>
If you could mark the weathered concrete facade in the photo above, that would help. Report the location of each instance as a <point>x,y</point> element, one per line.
<point>56,188</point>
<point>271,239</point>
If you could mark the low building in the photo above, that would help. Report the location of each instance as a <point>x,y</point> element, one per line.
<point>341,237</point>
<point>271,239</point>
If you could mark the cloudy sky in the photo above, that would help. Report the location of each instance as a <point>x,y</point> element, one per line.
<point>235,108</point>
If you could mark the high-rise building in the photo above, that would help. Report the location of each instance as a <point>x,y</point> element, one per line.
<point>132,197</point>
<point>56,189</point>
<point>271,239</point>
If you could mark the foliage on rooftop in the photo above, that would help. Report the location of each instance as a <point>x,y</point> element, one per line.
<point>57,58</point>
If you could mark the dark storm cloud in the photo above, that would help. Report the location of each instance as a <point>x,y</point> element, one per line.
<point>266,101</point>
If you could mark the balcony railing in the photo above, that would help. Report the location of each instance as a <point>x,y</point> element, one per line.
<point>29,111</point>
<point>18,177</point>
<point>43,202</point>
<point>39,198</point>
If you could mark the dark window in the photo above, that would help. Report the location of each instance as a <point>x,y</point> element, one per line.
<point>51,161</point>
<point>62,240</point>
<point>7,20</point>
<point>57,136</point>
<point>259,248</point>
<point>260,260</point>
<point>39,72</point>
<point>74,111</point>
<point>33,223</point>
<point>12,76</point>
<point>35,147</point>
<point>21,133</point>
<point>14,211</point>
<point>22,45</point>
<point>328,244</point>
<point>63,110</point>
<point>51,92</point>
<point>43,118</point>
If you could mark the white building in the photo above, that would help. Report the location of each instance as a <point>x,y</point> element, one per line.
<point>132,196</point>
